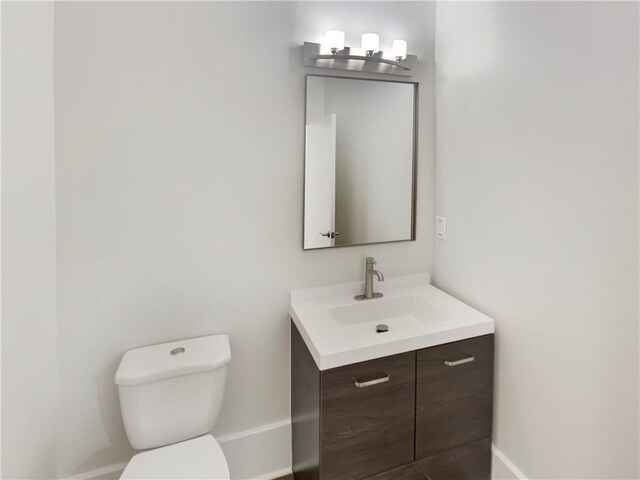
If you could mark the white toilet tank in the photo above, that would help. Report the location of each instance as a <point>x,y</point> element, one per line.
<point>173,391</point>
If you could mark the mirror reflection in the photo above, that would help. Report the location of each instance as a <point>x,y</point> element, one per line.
<point>359,162</point>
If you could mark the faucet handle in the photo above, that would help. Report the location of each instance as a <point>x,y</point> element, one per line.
<point>371,261</point>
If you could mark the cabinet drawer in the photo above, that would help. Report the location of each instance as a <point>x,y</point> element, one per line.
<point>367,417</point>
<point>454,395</point>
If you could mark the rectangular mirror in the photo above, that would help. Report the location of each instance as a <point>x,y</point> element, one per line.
<point>360,162</point>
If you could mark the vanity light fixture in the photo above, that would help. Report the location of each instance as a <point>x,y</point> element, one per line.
<point>333,53</point>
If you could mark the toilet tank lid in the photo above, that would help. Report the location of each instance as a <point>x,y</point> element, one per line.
<point>167,360</point>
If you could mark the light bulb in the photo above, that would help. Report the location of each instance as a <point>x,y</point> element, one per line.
<point>335,40</point>
<point>370,43</point>
<point>399,49</point>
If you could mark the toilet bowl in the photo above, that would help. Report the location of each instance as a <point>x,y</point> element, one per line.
<point>170,398</point>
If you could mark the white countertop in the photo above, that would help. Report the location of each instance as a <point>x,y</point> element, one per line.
<point>339,330</point>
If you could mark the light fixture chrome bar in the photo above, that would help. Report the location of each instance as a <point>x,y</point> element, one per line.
<point>345,60</point>
<point>367,58</point>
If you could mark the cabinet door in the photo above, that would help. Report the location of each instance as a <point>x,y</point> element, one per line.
<point>454,395</point>
<point>367,417</point>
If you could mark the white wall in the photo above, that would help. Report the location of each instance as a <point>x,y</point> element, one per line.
<point>538,177</point>
<point>179,169</point>
<point>29,374</point>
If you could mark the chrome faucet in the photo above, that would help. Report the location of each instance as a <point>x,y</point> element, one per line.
<point>369,272</point>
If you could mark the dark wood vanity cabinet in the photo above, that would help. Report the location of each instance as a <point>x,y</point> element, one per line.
<point>406,416</point>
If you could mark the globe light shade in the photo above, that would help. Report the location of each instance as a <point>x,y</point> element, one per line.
<point>399,48</point>
<point>370,43</point>
<point>335,40</point>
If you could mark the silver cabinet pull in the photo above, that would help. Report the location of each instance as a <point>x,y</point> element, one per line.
<point>328,234</point>
<point>459,362</point>
<point>373,379</point>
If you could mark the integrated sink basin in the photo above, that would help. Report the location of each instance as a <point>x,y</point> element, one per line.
<point>408,312</point>
<point>339,330</point>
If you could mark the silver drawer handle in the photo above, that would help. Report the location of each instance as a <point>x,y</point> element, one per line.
<point>367,382</point>
<point>459,362</point>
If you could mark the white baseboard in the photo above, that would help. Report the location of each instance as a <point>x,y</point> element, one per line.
<point>259,453</point>
<point>110,472</point>
<point>502,468</point>
<point>262,453</point>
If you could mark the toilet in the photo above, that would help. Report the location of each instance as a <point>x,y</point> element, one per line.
<point>170,398</point>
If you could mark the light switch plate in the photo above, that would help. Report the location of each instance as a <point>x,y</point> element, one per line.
<point>441,228</point>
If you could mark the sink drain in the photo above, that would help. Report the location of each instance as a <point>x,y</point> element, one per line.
<point>382,328</point>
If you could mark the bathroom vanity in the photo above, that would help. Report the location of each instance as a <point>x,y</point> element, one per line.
<point>414,402</point>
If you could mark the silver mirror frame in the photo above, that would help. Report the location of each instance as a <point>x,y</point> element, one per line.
<point>414,163</point>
